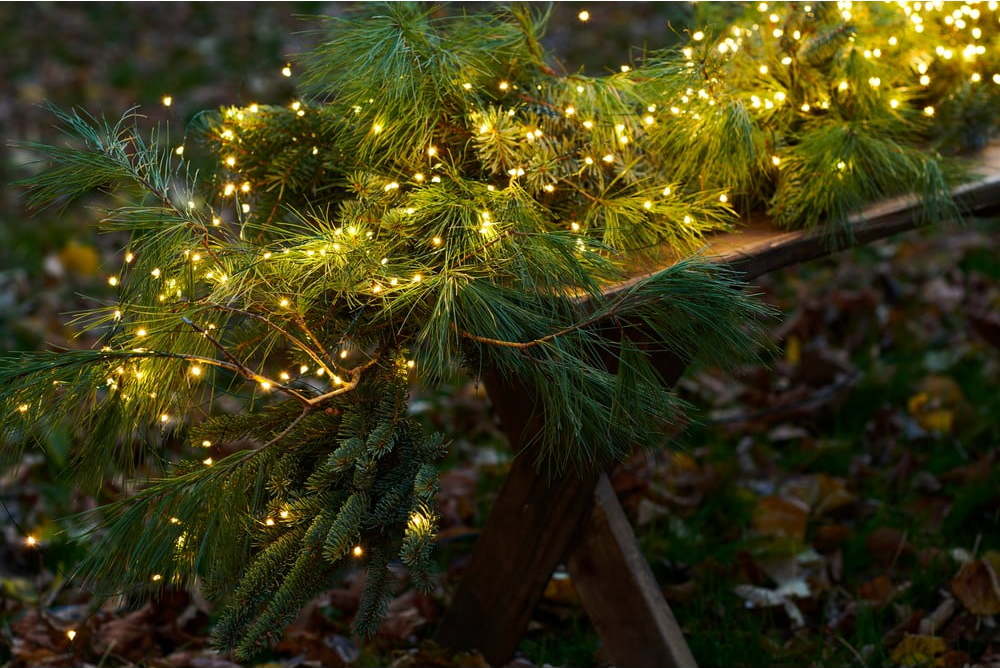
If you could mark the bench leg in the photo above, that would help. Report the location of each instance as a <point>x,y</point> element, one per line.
<point>537,523</point>
<point>528,533</point>
<point>619,592</point>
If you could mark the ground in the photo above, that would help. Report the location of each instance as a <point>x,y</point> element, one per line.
<point>836,506</point>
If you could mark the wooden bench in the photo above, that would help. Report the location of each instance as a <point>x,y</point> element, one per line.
<point>537,523</point>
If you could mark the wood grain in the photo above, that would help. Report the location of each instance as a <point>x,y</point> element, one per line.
<point>620,593</point>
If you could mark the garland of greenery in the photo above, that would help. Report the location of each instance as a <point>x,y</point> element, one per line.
<point>444,200</point>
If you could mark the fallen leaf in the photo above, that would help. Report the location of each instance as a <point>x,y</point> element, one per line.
<point>821,493</point>
<point>877,590</point>
<point>560,588</point>
<point>793,350</point>
<point>780,517</point>
<point>977,587</point>
<point>886,545</point>
<point>918,651</point>
<point>79,259</point>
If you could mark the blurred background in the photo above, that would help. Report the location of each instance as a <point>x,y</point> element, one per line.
<point>822,509</point>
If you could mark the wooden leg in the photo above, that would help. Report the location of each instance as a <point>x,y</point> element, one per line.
<point>529,531</point>
<point>619,592</point>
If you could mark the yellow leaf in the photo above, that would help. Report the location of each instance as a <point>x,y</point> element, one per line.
<point>917,402</point>
<point>79,259</point>
<point>915,651</point>
<point>793,350</point>
<point>939,421</point>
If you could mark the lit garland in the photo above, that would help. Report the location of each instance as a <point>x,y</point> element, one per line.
<point>344,247</point>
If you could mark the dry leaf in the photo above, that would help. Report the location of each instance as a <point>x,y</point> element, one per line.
<point>977,586</point>
<point>780,517</point>
<point>918,651</point>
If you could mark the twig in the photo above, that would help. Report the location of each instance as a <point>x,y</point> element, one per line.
<point>235,364</point>
<point>284,432</point>
<point>294,340</point>
<point>607,313</point>
<point>355,374</point>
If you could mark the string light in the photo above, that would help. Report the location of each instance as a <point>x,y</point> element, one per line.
<point>167,100</point>
<point>71,633</point>
<point>286,71</point>
<point>357,551</point>
<point>31,541</point>
<point>584,16</point>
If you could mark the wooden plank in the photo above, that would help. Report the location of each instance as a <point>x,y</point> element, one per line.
<point>529,530</point>
<point>759,247</point>
<point>620,593</point>
<point>534,520</point>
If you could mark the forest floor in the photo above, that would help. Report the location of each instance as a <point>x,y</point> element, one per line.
<point>838,506</point>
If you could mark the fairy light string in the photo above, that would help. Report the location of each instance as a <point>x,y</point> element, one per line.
<point>224,297</point>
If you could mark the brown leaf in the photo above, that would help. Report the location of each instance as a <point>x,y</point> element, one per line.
<point>977,586</point>
<point>821,492</point>
<point>886,545</point>
<point>780,517</point>
<point>191,659</point>
<point>405,615</point>
<point>130,636</point>
<point>953,659</point>
<point>878,590</point>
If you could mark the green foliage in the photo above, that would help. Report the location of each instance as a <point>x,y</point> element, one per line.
<point>446,201</point>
